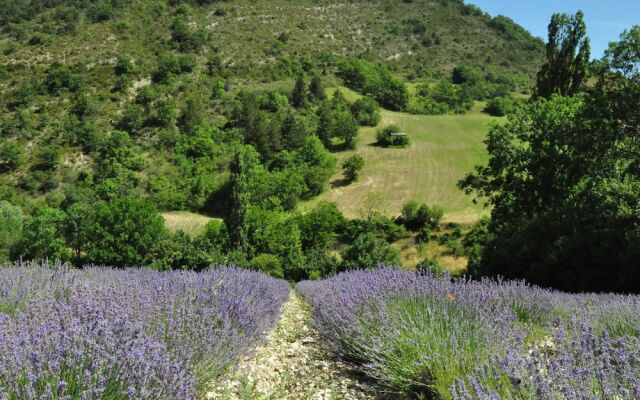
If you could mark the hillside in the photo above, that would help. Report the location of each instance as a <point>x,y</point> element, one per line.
<point>269,39</point>
<point>118,113</point>
<point>71,73</point>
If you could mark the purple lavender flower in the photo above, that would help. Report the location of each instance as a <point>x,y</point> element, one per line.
<point>101,333</point>
<point>474,340</point>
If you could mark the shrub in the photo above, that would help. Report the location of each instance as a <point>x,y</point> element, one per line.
<point>365,111</point>
<point>320,226</point>
<point>352,166</point>
<point>43,237</point>
<point>430,266</point>
<point>375,80</point>
<point>424,234</point>
<point>269,264</point>
<point>123,66</point>
<point>47,157</point>
<point>11,155</point>
<point>132,119</point>
<point>368,251</point>
<point>169,66</point>
<point>415,216</point>
<point>60,77</point>
<point>441,98</point>
<point>500,106</point>
<point>391,136</point>
<point>463,74</point>
<point>124,232</point>
<point>184,38</point>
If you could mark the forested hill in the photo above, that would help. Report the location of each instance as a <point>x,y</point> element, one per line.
<point>74,71</point>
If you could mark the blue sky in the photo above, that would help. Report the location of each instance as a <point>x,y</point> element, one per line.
<point>605,19</point>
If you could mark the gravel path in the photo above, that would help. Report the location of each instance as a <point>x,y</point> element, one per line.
<point>292,365</point>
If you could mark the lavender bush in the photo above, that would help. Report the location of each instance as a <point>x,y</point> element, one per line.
<point>101,333</point>
<point>424,336</point>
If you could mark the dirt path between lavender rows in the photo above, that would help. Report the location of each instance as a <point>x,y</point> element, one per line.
<point>292,365</point>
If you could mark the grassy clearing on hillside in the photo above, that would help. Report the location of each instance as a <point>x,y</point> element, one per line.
<point>190,223</point>
<point>443,149</point>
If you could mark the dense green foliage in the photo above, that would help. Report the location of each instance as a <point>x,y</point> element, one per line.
<point>501,106</point>
<point>563,180</point>
<point>352,166</point>
<point>376,81</point>
<point>568,54</point>
<point>10,228</point>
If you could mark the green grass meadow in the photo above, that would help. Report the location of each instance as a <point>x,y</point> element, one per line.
<point>442,150</point>
<point>190,223</point>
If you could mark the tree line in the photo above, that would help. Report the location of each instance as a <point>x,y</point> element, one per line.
<point>563,176</point>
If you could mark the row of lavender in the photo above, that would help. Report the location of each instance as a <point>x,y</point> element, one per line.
<point>456,339</point>
<point>101,333</point>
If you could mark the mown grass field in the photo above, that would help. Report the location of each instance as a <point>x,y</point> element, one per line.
<point>443,149</point>
<point>190,223</point>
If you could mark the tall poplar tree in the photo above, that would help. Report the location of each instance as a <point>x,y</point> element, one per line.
<point>568,53</point>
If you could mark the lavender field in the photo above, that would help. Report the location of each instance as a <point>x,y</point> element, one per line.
<point>434,338</point>
<point>102,333</point>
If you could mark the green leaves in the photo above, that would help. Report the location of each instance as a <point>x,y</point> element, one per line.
<point>563,179</point>
<point>568,56</point>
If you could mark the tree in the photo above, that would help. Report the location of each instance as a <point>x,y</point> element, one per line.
<point>368,251</point>
<point>339,102</point>
<point>43,237</point>
<point>568,54</point>
<point>294,132</point>
<point>259,128</point>
<point>365,111</point>
<point>125,231</point>
<point>352,166</point>
<point>243,167</point>
<point>325,123</point>
<point>276,233</point>
<point>116,163</point>
<point>269,264</point>
<point>79,227</point>
<point>299,94</point>
<point>562,178</point>
<point>346,128</point>
<point>11,155</point>
<point>316,89</point>
<point>192,115</point>
<point>316,165</point>
<point>11,220</point>
<point>179,251</point>
<point>375,80</point>
<point>319,226</point>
